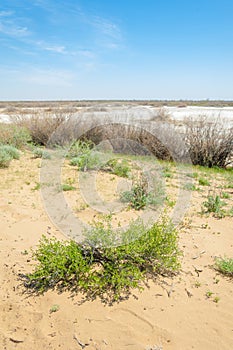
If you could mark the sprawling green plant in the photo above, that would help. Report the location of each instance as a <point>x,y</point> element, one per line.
<point>80,147</point>
<point>82,155</point>
<point>7,153</point>
<point>214,205</point>
<point>139,196</point>
<point>99,266</point>
<point>225,266</point>
<point>117,167</point>
<point>67,187</point>
<point>5,159</point>
<point>11,150</point>
<point>203,181</point>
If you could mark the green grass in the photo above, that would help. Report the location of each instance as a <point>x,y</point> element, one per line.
<point>193,175</point>
<point>67,187</point>
<point>225,195</point>
<point>170,203</point>
<point>138,197</point>
<point>100,268</point>
<point>36,187</point>
<point>225,266</point>
<point>81,154</point>
<point>203,181</point>
<point>54,308</point>
<point>119,167</point>
<point>214,205</point>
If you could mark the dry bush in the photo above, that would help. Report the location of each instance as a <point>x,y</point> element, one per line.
<point>42,126</point>
<point>210,143</point>
<point>128,139</point>
<point>161,115</point>
<point>129,135</point>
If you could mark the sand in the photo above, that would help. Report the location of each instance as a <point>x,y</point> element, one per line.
<point>173,313</point>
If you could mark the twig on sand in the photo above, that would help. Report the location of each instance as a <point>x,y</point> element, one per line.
<point>80,343</point>
<point>189,294</point>
<point>17,341</point>
<point>197,270</point>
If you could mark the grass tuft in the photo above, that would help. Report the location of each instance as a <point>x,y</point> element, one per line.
<point>225,266</point>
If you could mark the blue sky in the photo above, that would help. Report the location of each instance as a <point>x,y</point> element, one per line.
<point>124,49</point>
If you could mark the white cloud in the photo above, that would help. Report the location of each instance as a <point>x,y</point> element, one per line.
<point>57,49</point>
<point>50,47</point>
<point>13,30</point>
<point>6,13</point>
<point>9,26</point>
<point>106,27</point>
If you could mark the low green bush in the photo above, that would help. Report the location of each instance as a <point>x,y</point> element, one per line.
<point>11,150</point>
<point>82,156</point>
<point>214,205</point>
<point>139,195</point>
<point>99,267</point>
<point>225,266</point>
<point>79,148</point>
<point>86,161</point>
<point>5,159</point>
<point>203,182</point>
<point>40,153</point>
<point>117,167</point>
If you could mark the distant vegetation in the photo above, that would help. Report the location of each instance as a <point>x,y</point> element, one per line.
<point>207,142</point>
<point>12,106</point>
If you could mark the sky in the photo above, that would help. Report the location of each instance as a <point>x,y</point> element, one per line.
<point>122,49</point>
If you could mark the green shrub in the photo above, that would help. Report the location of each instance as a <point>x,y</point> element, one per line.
<point>167,172</point>
<point>225,266</point>
<point>214,205</point>
<point>5,159</point>
<point>117,167</point>
<point>40,153</point>
<point>86,162</point>
<point>139,196</point>
<point>11,150</point>
<point>82,156</point>
<point>203,182</point>
<point>100,268</point>
<point>14,135</point>
<point>80,148</point>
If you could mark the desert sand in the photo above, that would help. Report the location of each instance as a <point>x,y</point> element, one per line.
<point>174,313</point>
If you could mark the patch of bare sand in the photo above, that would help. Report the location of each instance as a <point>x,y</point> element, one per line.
<point>172,314</point>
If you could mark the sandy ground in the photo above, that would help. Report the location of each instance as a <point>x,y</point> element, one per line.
<point>174,313</point>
